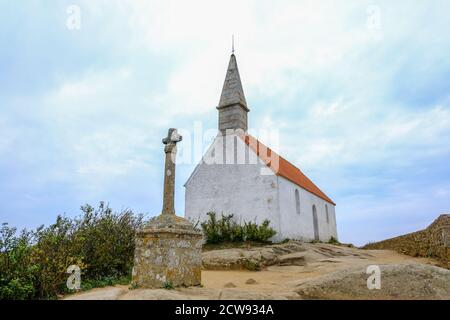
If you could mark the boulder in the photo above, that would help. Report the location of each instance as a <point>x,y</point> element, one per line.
<point>398,282</point>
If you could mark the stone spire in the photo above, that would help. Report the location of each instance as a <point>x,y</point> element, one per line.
<point>232,106</point>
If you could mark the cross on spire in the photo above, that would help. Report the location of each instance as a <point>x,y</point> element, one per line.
<point>232,44</point>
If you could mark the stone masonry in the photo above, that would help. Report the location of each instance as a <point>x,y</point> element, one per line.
<point>168,248</point>
<point>433,242</point>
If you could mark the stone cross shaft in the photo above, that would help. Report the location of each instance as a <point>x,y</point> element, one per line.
<point>169,174</point>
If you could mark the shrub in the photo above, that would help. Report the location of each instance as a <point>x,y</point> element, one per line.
<point>226,229</point>
<point>33,264</point>
<point>104,282</point>
<point>168,285</point>
<point>333,240</point>
<point>17,270</point>
<point>251,265</point>
<point>261,233</point>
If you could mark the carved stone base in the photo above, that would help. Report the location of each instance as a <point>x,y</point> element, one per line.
<point>168,253</point>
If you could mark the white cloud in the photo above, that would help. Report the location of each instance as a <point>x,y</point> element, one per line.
<point>271,41</point>
<point>95,92</point>
<point>339,133</point>
<point>104,127</point>
<point>110,152</point>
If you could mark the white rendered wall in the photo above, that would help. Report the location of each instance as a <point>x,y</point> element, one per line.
<point>242,190</point>
<point>300,226</point>
<point>237,189</point>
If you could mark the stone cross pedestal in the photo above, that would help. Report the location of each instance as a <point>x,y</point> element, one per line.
<point>168,248</point>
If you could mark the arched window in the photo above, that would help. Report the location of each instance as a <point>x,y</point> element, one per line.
<point>326,211</point>
<point>235,151</point>
<point>315,223</point>
<point>297,201</point>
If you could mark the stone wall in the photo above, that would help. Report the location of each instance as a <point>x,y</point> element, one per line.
<point>433,242</point>
<point>167,257</point>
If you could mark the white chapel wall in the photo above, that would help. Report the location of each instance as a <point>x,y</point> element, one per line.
<point>242,190</point>
<point>300,225</point>
<point>233,189</point>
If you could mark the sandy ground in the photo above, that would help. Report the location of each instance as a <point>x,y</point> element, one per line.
<point>274,282</point>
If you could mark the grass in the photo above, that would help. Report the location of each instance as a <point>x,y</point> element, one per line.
<point>168,285</point>
<point>104,282</point>
<point>133,286</point>
<point>333,240</point>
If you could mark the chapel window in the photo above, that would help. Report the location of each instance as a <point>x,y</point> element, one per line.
<point>297,201</point>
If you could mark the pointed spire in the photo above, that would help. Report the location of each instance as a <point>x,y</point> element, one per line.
<point>232,44</point>
<point>232,92</point>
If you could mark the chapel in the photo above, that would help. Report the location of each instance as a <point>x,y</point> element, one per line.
<point>239,175</point>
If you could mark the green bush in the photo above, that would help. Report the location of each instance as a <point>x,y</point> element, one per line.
<point>33,264</point>
<point>17,270</point>
<point>333,240</point>
<point>226,229</point>
<point>168,285</point>
<point>261,233</point>
<point>104,282</point>
<point>251,265</point>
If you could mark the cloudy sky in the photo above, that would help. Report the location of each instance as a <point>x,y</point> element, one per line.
<point>359,92</point>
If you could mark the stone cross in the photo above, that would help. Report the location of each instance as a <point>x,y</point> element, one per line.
<point>169,177</point>
<point>168,248</point>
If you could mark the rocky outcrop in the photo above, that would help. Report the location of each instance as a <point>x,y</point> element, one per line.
<point>433,242</point>
<point>405,282</point>
<point>299,271</point>
<point>292,253</point>
<point>253,258</point>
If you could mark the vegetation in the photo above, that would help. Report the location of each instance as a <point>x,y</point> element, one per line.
<point>333,240</point>
<point>226,229</point>
<point>168,285</point>
<point>234,245</point>
<point>33,264</point>
<point>88,284</point>
<point>251,265</point>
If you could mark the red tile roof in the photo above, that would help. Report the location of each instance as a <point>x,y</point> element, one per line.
<point>283,168</point>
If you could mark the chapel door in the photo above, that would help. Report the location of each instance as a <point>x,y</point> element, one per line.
<point>316,224</point>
